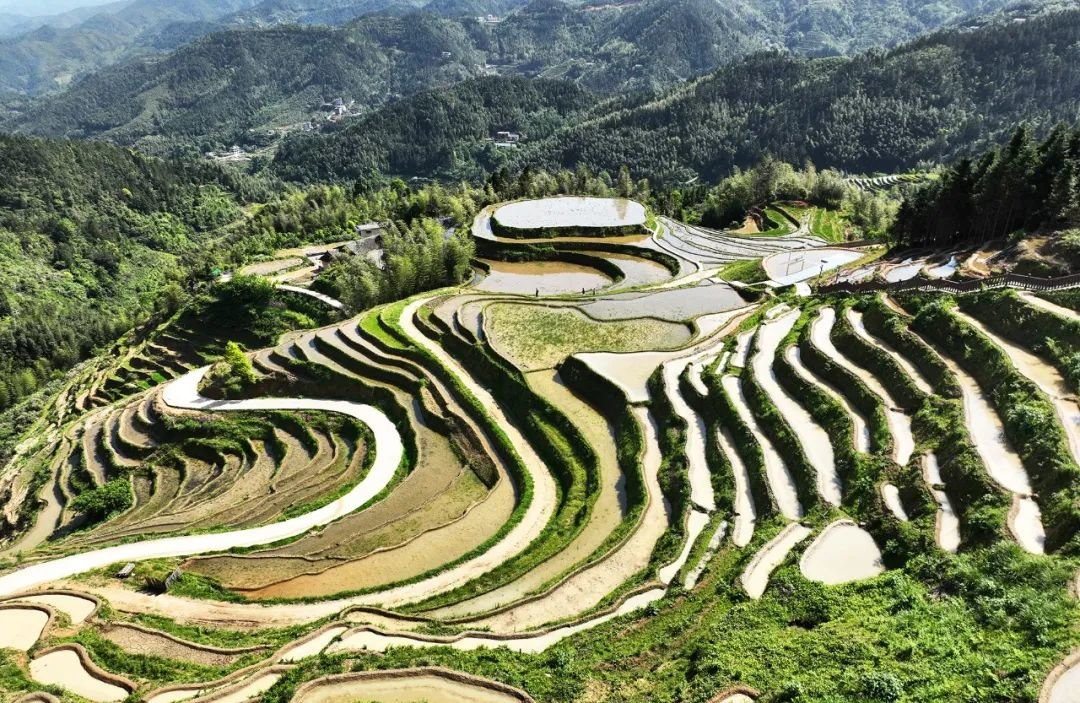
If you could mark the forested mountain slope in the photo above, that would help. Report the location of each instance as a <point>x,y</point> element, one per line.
<point>438,132</point>
<point>605,46</point>
<point>50,57</point>
<point>1022,187</point>
<point>17,19</point>
<point>929,100</point>
<point>90,237</point>
<point>228,83</point>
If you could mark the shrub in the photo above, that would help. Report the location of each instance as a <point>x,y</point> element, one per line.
<point>105,500</point>
<point>881,686</point>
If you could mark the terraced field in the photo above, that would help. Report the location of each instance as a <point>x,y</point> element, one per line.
<point>664,489</point>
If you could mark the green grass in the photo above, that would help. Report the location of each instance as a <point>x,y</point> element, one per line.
<point>747,271</point>
<point>979,627</point>
<point>371,325</point>
<point>827,224</point>
<point>13,680</point>
<point>157,670</point>
<point>782,223</point>
<point>538,337</point>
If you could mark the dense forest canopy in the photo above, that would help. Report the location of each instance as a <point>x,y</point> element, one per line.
<point>441,133</point>
<point>261,78</point>
<point>927,101</point>
<point>1025,186</point>
<point>596,42</point>
<point>922,103</point>
<point>214,92</point>
<point>93,238</point>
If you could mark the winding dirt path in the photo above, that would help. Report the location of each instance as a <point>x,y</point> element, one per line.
<point>322,298</point>
<point>183,393</point>
<point>1035,301</point>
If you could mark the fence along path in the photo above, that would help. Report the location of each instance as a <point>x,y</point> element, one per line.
<point>922,284</point>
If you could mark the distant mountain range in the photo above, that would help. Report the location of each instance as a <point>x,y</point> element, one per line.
<point>600,42</point>
<point>931,100</point>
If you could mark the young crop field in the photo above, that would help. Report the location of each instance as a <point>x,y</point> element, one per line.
<point>690,484</point>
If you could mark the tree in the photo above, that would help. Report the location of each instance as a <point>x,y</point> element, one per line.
<point>626,183</point>
<point>238,365</point>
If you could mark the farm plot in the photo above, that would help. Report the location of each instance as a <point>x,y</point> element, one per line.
<point>67,668</point>
<point>781,484</point>
<point>205,471</point>
<point>637,271</point>
<point>842,553</point>
<point>430,685</point>
<point>707,478</point>
<point>814,440</point>
<point>441,511</point>
<point>709,248</point>
<point>1000,459</point>
<point>570,213</point>
<point>608,511</point>
<point>1047,378</point>
<point>540,278</point>
<point>898,421</point>
<point>183,393</point>
<point>672,305</point>
<point>755,579</point>
<point>537,337</point>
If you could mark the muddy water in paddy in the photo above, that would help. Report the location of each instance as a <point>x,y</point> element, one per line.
<point>406,689</point>
<point>64,668</point>
<point>637,271</point>
<point>76,608</point>
<point>1042,374</point>
<point>607,513</point>
<point>856,319</point>
<point>21,627</point>
<point>745,513</point>
<point>776,472</point>
<point>814,440</point>
<point>672,305</point>
<point>1066,689</point>
<point>891,495</point>
<point>588,587</point>
<point>947,529</point>
<point>843,552</point>
<point>755,579</point>
<point>859,428</point>
<point>899,423</point>
<point>1002,462</point>
<point>547,277</point>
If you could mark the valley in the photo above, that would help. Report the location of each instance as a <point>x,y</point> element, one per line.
<point>539,351</point>
<point>592,486</point>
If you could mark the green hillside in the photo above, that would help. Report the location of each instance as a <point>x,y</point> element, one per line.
<point>926,101</point>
